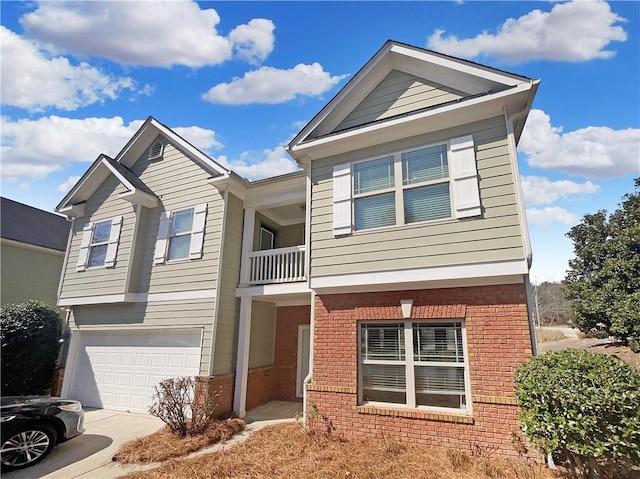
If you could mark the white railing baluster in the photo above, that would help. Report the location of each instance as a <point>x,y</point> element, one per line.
<point>282,265</point>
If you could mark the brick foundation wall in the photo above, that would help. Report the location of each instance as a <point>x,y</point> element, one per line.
<point>286,349</point>
<point>498,341</point>
<point>222,386</point>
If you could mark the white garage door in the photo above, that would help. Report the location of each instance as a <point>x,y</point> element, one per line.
<point>118,370</point>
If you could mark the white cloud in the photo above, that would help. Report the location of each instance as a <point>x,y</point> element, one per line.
<point>68,184</point>
<point>151,33</point>
<point>591,152</point>
<point>574,31</point>
<point>35,148</point>
<point>253,42</point>
<point>271,162</point>
<point>201,138</point>
<point>33,80</point>
<point>549,215</point>
<point>271,85</point>
<point>539,190</point>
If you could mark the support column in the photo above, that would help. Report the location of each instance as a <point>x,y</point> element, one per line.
<point>247,245</point>
<point>242,362</point>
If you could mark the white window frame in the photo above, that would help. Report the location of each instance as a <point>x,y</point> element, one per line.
<point>409,363</point>
<point>97,244</point>
<point>88,243</point>
<point>171,236</point>
<point>462,180</point>
<point>196,233</point>
<point>399,186</point>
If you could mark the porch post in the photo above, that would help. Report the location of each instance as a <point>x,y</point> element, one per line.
<point>242,362</point>
<point>247,245</point>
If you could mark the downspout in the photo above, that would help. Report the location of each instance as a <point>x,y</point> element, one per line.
<point>523,220</point>
<point>307,242</point>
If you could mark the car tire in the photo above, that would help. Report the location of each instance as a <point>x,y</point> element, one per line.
<point>27,446</point>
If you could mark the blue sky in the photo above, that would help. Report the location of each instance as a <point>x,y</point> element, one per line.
<point>239,79</point>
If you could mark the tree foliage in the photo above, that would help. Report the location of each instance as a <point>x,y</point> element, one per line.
<point>584,407</point>
<point>30,338</point>
<point>603,283</point>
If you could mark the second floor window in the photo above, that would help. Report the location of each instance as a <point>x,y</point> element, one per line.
<point>403,188</point>
<point>433,182</point>
<point>99,244</point>
<point>180,234</point>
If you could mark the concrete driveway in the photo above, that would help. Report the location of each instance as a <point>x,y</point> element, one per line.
<point>89,456</point>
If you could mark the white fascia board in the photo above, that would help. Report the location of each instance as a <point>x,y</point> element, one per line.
<point>138,197</point>
<point>139,297</point>
<point>189,148</point>
<point>75,210</point>
<point>273,289</point>
<point>231,182</point>
<point>397,128</point>
<point>84,188</point>
<point>147,132</point>
<point>423,278</point>
<point>459,65</point>
<point>275,198</point>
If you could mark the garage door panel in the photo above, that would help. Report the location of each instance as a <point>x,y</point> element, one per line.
<point>120,371</point>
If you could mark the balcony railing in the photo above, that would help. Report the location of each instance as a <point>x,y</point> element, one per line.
<point>282,265</point>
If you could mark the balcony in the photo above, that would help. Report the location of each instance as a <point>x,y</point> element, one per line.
<point>281,265</point>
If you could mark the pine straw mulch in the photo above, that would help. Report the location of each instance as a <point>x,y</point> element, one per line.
<point>286,451</point>
<point>164,444</point>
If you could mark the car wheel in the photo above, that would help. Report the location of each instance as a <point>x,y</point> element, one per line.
<point>27,446</point>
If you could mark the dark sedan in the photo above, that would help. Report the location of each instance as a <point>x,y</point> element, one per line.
<point>31,426</point>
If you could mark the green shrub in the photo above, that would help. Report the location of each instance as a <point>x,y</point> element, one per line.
<point>30,338</point>
<point>583,407</point>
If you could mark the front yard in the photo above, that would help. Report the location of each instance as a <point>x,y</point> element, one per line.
<point>286,451</point>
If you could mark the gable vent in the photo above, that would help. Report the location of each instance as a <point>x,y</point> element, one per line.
<point>155,153</point>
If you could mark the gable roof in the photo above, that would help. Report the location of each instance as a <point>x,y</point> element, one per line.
<point>137,192</point>
<point>25,224</point>
<point>472,86</point>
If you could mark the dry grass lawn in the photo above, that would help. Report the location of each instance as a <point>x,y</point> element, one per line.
<point>285,451</point>
<point>163,444</point>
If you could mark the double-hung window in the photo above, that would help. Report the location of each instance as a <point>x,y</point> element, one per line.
<point>99,244</point>
<point>403,188</point>
<point>181,234</point>
<point>425,184</point>
<point>414,364</point>
<point>374,193</point>
<point>429,183</point>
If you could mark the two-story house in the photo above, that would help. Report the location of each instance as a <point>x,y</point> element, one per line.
<point>386,282</point>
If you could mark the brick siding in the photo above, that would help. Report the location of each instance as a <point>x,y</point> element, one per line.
<point>498,341</point>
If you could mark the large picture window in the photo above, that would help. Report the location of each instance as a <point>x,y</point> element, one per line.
<point>413,364</point>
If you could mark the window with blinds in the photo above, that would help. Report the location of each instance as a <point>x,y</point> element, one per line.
<point>415,364</point>
<point>373,192</point>
<point>403,188</point>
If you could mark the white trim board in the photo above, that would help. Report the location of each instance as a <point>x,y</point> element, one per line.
<point>139,297</point>
<point>506,272</point>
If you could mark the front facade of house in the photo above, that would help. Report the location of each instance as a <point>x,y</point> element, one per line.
<point>386,283</point>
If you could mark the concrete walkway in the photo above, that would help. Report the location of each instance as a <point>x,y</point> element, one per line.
<point>89,456</point>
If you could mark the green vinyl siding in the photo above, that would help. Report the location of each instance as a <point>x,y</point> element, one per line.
<point>494,236</point>
<point>29,273</point>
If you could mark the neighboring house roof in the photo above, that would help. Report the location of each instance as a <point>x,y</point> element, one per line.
<point>137,191</point>
<point>25,224</point>
<point>473,87</point>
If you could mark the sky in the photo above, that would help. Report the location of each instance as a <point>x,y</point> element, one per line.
<point>240,79</point>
